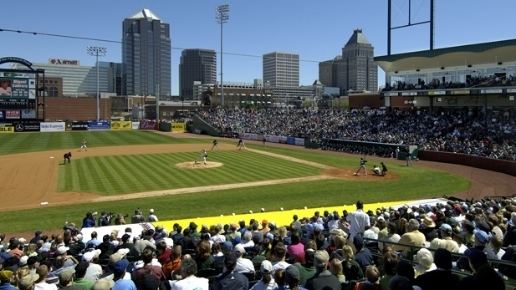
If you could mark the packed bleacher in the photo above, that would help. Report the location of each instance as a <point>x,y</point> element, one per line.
<point>459,131</point>
<point>450,245</point>
<point>471,82</point>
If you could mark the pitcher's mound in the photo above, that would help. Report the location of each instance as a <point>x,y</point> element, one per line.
<point>199,165</point>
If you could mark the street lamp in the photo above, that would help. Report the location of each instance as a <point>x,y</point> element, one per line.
<point>97,51</point>
<point>222,17</point>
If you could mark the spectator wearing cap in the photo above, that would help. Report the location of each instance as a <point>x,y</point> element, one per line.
<point>413,237</point>
<point>36,238</point>
<point>41,283</point>
<point>267,282</point>
<point>133,254</point>
<point>66,278</point>
<point>189,280</point>
<point>231,279</point>
<point>358,220</point>
<point>484,276</point>
<point>6,277</point>
<point>278,257</point>
<point>152,216</point>
<point>80,273</point>
<point>94,270</point>
<point>145,241</point>
<point>323,278</point>
<point>63,260</point>
<point>424,262</point>
<point>119,268</point>
<point>446,241</point>
<point>243,265</point>
<point>103,284</point>
<point>441,278</point>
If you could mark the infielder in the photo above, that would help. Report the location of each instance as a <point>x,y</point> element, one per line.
<point>241,144</point>
<point>215,143</point>
<point>84,144</point>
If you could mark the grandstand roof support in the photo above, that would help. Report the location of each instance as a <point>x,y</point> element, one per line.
<point>409,24</point>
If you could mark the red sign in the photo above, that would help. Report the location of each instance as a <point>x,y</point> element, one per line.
<point>12,114</point>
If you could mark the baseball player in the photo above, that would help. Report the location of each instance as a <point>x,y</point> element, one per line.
<point>215,143</point>
<point>84,145</point>
<point>241,144</point>
<point>362,166</point>
<point>67,157</point>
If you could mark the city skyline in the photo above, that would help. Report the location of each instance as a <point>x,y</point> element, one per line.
<point>254,28</point>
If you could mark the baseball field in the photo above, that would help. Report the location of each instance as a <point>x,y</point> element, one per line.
<point>123,171</point>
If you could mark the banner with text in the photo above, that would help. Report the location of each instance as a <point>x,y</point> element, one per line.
<point>6,128</point>
<point>52,126</point>
<point>101,125</point>
<point>135,125</point>
<point>27,127</point>
<point>147,125</point>
<point>178,127</point>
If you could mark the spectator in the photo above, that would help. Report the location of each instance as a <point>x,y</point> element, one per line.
<point>358,221</point>
<point>267,282</point>
<point>484,277</point>
<point>441,278</point>
<point>323,279</point>
<point>413,237</point>
<point>231,279</point>
<point>189,280</point>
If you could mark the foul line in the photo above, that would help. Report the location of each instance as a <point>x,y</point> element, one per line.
<point>289,158</point>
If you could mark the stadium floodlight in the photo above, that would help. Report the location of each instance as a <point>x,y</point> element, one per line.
<point>222,17</point>
<point>97,51</point>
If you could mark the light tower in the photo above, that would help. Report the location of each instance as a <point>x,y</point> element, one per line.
<point>97,51</point>
<point>222,17</point>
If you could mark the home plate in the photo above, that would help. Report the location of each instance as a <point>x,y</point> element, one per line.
<point>51,157</point>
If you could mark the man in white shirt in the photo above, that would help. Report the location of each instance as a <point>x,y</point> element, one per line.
<point>41,283</point>
<point>189,281</point>
<point>243,265</point>
<point>358,220</point>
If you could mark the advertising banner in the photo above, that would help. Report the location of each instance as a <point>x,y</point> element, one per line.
<point>291,140</point>
<point>121,125</point>
<point>12,114</point>
<point>101,125</point>
<point>300,142</point>
<point>178,127</point>
<point>283,139</point>
<point>1,115</point>
<point>27,127</point>
<point>165,127</point>
<point>147,125</point>
<point>272,138</point>
<point>52,126</point>
<point>135,125</point>
<point>79,126</point>
<point>4,128</point>
<point>28,114</point>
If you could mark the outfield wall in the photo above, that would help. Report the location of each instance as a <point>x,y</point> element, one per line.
<point>503,166</point>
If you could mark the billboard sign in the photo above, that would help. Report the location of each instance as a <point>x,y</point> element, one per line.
<point>52,126</point>
<point>101,125</point>
<point>12,114</point>
<point>27,127</point>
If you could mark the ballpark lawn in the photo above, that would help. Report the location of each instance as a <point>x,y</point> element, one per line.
<point>30,142</point>
<point>110,175</point>
<point>413,183</point>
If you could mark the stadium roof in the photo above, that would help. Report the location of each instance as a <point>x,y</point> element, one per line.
<point>471,54</point>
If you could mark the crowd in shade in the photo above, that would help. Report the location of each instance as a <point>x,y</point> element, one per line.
<point>459,131</point>
<point>450,245</point>
<point>471,82</point>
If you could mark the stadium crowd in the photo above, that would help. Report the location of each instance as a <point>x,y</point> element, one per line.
<point>471,82</point>
<point>460,131</point>
<point>410,247</point>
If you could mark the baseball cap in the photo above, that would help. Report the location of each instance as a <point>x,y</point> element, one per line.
<point>61,250</point>
<point>266,266</point>
<point>240,249</point>
<point>292,274</point>
<point>88,256</point>
<point>446,228</point>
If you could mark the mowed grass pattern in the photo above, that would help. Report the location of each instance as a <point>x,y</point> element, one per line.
<point>110,175</point>
<point>30,142</point>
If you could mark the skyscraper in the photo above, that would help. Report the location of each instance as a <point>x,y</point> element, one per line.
<point>196,65</point>
<point>146,55</point>
<point>355,69</point>
<point>281,70</point>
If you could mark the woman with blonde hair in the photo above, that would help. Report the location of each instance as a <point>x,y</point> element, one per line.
<point>336,269</point>
<point>350,267</point>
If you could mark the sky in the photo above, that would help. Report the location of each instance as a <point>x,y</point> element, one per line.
<point>315,29</point>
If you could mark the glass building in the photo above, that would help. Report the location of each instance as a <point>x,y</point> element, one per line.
<point>196,65</point>
<point>146,55</point>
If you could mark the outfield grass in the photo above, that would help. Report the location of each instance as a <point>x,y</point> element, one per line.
<point>148,172</point>
<point>414,183</point>
<point>30,142</point>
